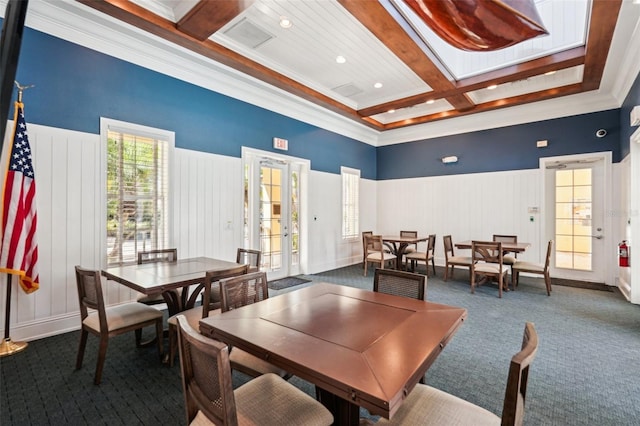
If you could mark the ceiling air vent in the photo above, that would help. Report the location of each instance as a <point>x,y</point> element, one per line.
<point>347,90</point>
<point>247,33</point>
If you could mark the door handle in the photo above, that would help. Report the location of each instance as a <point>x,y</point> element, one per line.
<point>598,237</point>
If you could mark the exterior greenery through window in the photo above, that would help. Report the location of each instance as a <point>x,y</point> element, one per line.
<point>137,195</point>
<point>350,202</point>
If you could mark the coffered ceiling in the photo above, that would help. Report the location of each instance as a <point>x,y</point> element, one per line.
<point>393,75</point>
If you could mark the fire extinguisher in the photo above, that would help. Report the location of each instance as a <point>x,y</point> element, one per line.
<point>623,253</point>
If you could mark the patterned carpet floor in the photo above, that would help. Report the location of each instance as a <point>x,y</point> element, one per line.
<point>586,371</point>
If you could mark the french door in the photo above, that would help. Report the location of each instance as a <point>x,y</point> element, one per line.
<point>272,213</point>
<point>575,203</point>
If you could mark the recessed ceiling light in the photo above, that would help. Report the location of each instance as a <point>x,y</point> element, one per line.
<point>493,86</point>
<point>391,111</point>
<point>341,59</point>
<point>549,73</point>
<point>377,85</point>
<point>430,101</point>
<point>285,22</point>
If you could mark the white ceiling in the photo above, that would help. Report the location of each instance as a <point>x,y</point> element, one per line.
<point>324,29</point>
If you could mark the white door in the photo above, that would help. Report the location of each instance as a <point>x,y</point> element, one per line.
<point>575,202</point>
<point>273,214</point>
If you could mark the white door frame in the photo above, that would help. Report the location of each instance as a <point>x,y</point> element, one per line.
<point>248,156</point>
<point>608,232</point>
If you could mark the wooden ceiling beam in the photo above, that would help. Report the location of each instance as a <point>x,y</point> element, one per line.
<point>604,15</point>
<point>137,16</point>
<point>489,106</point>
<point>557,61</point>
<point>207,17</point>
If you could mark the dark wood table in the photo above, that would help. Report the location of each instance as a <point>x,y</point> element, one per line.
<point>160,277</point>
<point>506,247</point>
<point>398,245</point>
<point>359,348</point>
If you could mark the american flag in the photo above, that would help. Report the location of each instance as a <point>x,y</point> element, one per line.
<point>19,250</point>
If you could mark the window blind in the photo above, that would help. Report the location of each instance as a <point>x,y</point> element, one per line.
<point>350,202</point>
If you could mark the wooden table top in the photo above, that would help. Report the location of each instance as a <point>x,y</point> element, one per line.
<point>367,348</point>
<point>512,247</point>
<point>150,278</point>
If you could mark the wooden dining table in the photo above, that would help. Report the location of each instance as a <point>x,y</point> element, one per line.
<point>162,277</point>
<point>358,347</point>
<point>398,245</point>
<point>506,246</point>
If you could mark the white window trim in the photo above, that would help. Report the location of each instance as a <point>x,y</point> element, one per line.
<point>354,172</point>
<point>108,124</point>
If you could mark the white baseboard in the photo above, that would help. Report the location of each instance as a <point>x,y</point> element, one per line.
<point>45,327</point>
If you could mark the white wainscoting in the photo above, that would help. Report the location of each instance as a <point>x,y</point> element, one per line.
<point>208,208</point>
<point>471,206</point>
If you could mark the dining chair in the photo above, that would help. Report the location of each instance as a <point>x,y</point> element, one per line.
<point>106,322</point>
<point>411,234</point>
<point>451,260</point>
<point>195,314</point>
<point>241,291</point>
<point>533,268</point>
<point>427,405</point>
<point>210,398</point>
<point>249,257</point>
<point>377,254</point>
<point>487,262</point>
<point>400,283</point>
<point>152,256</point>
<point>426,257</point>
<point>507,259</point>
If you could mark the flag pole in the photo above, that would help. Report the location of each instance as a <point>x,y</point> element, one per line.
<point>8,346</point>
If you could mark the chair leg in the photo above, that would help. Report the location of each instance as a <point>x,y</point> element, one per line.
<point>102,353</point>
<point>83,344</point>
<point>446,271</point>
<point>159,338</point>
<point>500,280</point>
<point>433,264</point>
<point>173,344</point>
<point>547,282</point>
<point>138,332</point>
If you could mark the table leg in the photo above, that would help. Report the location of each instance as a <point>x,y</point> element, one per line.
<point>344,412</point>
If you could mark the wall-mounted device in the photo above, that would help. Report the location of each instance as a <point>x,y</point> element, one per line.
<point>601,133</point>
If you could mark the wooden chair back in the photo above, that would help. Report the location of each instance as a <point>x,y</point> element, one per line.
<point>90,295</point>
<point>448,247</point>
<point>243,290</point>
<point>249,257</point>
<point>374,243</point>
<point>516,391</point>
<point>505,238</point>
<point>211,286</point>
<point>431,245</point>
<point>486,251</point>
<point>400,283</point>
<point>206,376</point>
<point>160,255</point>
<point>410,234</point>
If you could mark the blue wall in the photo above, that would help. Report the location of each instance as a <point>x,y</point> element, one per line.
<point>75,86</point>
<point>632,99</point>
<point>506,148</point>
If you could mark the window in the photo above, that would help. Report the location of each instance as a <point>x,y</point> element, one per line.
<point>137,190</point>
<point>574,219</point>
<point>350,202</point>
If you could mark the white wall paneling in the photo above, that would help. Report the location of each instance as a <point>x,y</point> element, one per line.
<point>471,206</point>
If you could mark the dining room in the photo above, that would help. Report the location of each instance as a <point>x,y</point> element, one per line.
<point>221,136</point>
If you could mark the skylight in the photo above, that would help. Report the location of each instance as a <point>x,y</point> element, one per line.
<point>566,21</point>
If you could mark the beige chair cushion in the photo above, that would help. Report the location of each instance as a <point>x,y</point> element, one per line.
<point>461,260</point>
<point>193,315</point>
<point>122,316</point>
<point>490,268</point>
<point>426,405</point>
<point>253,363</point>
<point>509,260</point>
<point>375,257</point>
<point>528,266</point>
<point>417,255</point>
<point>269,400</point>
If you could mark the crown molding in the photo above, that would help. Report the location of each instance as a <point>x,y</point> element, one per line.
<point>79,24</point>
